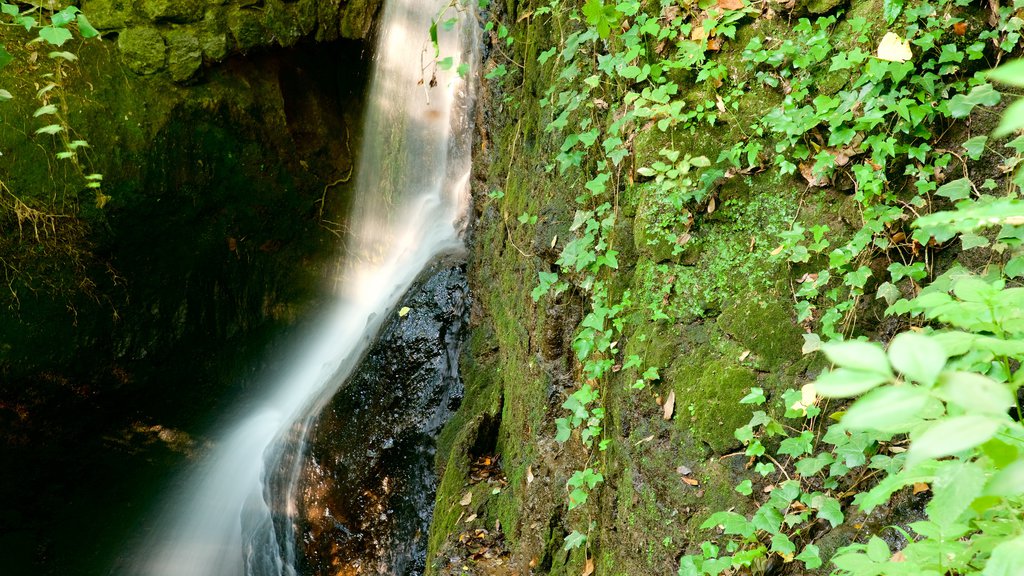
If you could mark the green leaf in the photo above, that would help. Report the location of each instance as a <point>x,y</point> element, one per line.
<point>1015,267</point>
<point>857,355</point>
<point>846,383</point>
<point>446,63</point>
<point>782,545</point>
<point>975,147</point>
<point>878,550</point>
<point>51,129</point>
<point>563,430</point>
<point>756,396</point>
<point>1011,73</point>
<point>811,557</point>
<point>1005,559</point>
<point>955,487</point>
<point>1013,119</point>
<point>69,56</point>
<point>955,190</point>
<point>975,393</point>
<point>5,56</point>
<point>828,509</point>
<point>9,9</point>
<point>55,35</point>
<point>5,95</point>
<point>917,357</point>
<point>961,105</point>
<point>574,540</point>
<point>730,522</point>
<point>48,109</point>
<point>887,409</point>
<point>891,10</point>
<point>952,435</point>
<point>745,488</point>
<point>85,28</point>
<point>1008,482</point>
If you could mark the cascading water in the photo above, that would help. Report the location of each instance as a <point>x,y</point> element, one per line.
<point>235,513</point>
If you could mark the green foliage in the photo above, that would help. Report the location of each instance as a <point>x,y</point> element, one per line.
<point>53,28</point>
<point>844,117</point>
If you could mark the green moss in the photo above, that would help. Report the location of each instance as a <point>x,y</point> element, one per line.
<point>764,324</point>
<point>143,50</point>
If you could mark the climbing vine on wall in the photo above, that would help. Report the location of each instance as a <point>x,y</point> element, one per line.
<point>865,104</point>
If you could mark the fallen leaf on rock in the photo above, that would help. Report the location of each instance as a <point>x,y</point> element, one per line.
<point>744,355</point>
<point>404,312</point>
<point>467,499</point>
<point>898,557</point>
<point>894,49</point>
<point>588,567</point>
<point>471,518</point>
<point>731,4</point>
<point>690,481</point>
<point>529,474</point>
<point>960,28</point>
<point>669,406</point>
<point>921,487</point>
<point>813,179</point>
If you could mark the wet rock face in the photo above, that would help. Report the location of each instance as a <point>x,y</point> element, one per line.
<point>198,31</point>
<point>367,490</point>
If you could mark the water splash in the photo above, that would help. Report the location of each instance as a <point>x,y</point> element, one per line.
<point>235,513</point>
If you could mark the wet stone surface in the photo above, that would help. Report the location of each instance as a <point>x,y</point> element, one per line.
<point>367,489</point>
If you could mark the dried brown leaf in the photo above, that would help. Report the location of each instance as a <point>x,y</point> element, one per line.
<point>669,406</point>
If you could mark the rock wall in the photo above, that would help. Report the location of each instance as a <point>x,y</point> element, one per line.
<point>176,37</point>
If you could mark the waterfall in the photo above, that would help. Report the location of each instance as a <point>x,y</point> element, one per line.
<point>234,514</point>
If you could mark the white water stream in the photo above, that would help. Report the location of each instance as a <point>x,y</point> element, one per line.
<point>411,197</point>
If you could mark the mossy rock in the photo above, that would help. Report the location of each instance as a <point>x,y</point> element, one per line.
<point>247,28</point>
<point>184,55</point>
<point>107,14</point>
<point>764,327</point>
<point>143,50</point>
<point>707,397</point>
<point>179,11</point>
<point>213,35</point>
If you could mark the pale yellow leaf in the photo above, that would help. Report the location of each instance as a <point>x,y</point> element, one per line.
<point>894,49</point>
<point>466,499</point>
<point>669,406</point>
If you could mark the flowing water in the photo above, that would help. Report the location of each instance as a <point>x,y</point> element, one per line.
<point>235,513</point>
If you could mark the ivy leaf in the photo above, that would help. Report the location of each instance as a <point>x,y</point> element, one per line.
<point>955,190</point>
<point>828,509</point>
<point>811,557</point>
<point>54,35</point>
<point>891,10</point>
<point>951,435</point>
<point>5,56</point>
<point>600,17</point>
<point>917,357</point>
<point>846,383</point>
<point>564,430</point>
<point>975,147</point>
<point>574,540</point>
<point>961,105</point>
<point>9,9</point>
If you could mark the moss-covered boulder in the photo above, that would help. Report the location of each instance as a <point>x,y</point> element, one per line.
<point>184,55</point>
<point>178,11</point>
<point>143,50</point>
